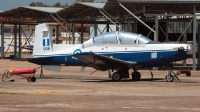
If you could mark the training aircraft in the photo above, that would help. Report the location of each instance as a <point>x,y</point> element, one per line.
<point>114,51</point>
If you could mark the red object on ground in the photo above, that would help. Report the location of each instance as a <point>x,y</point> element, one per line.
<point>182,71</point>
<point>27,73</point>
<point>22,71</point>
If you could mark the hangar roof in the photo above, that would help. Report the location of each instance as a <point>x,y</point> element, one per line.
<point>82,11</point>
<point>44,9</point>
<point>27,14</point>
<point>159,1</point>
<point>94,5</point>
<point>26,9</point>
<point>90,12</point>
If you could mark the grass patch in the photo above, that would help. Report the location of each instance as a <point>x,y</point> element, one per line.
<point>3,92</point>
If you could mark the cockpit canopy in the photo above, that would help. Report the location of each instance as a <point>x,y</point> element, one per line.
<point>122,38</point>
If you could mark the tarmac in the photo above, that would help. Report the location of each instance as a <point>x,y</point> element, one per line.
<point>74,91</point>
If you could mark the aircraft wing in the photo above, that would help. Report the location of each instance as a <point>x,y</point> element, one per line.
<point>101,62</point>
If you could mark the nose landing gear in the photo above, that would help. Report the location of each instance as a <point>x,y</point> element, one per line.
<point>170,78</point>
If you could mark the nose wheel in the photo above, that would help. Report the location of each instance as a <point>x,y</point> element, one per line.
<point>169,78</point>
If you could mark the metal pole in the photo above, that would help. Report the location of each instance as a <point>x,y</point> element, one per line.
<point>156,29</point>
<point>107,27</point>
<point>15,41</point>
<point>81,33</point>
<point>185,41</point>
<point>19,49</point>
<point>198,45</point>
<point>73,33</point>
<point>95,29</point>
<point>2,40</point>
<point>57,34</point>
<point>194,42</point>
<point>166,32</point>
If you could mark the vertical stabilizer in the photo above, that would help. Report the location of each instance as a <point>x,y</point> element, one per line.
<point>43,40</point>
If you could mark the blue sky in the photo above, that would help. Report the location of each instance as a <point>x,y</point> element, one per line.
<point>10,4</point>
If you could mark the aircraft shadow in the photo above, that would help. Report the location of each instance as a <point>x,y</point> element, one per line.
<point>124,80</point>
<point>110,80</point>
<point>141,80</point>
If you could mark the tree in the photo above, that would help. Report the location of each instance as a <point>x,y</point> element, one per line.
<point>32,4</point>
<point>57,4</point>
<point>39,4</point>
<point>84,1</point>
<point>65,5</point>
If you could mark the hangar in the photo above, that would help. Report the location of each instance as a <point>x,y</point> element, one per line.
<point>152,18</point>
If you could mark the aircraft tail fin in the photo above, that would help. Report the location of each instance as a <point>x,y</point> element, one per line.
<point>43,40</point>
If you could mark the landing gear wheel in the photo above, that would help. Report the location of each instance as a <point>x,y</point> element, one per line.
<point>136,76</point>
<point>29,79</point>
<point>188,74</point>
<point>33,79</point>
<point>116,76</point>
<point>169,78</point>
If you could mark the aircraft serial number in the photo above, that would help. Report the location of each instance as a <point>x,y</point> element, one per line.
<point>46,48</point>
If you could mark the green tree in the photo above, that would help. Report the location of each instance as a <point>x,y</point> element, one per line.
<point>39,4</point>
<point>65,5</point>
<point>57,4</point>
<point>84,1</point>
<point>32,4</point>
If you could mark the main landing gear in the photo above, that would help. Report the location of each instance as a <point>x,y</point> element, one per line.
<point>124,73</point>
<point>116,76</point>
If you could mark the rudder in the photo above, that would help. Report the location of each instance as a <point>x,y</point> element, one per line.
<point>43,40</point>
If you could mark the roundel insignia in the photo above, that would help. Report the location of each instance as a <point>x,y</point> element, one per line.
<point>77,51</point>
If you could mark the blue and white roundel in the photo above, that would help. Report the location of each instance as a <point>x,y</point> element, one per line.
<point>77,51</point>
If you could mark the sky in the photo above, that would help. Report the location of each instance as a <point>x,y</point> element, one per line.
<point>10,4</point>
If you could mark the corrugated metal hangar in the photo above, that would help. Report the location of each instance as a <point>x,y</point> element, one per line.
<point>160,20</point>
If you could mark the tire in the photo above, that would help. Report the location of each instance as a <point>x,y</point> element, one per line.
<point>29,79</point>
<point>170,79</point>
<point>33,79</point>
<point>116,76</point>
<point>136,76</point>
<point>188,74</point>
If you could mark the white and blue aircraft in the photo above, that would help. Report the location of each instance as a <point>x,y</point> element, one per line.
<point>116,51</point>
